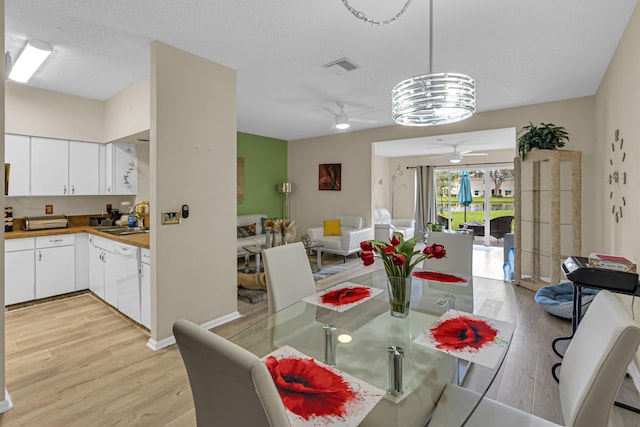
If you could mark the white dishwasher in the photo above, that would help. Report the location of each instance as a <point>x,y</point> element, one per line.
<point>127,259</point>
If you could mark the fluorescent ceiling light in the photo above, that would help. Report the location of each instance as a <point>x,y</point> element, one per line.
<point>30,60</point>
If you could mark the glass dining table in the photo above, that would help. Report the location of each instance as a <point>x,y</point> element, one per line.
<point>389,353</point>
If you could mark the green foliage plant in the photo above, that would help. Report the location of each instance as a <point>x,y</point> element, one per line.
<point>545,135</point>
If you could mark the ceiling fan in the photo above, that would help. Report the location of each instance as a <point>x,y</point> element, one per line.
<point>343,120</point>
<point>457,155</point>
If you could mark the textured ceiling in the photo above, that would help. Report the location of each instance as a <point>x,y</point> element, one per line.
<point>519,52</point>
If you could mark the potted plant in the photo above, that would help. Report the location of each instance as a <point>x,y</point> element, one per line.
<point>546,136</point>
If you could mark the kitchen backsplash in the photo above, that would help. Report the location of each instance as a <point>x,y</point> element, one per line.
<point>64,205</point>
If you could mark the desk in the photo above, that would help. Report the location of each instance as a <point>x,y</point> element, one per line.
<point>372,330</point>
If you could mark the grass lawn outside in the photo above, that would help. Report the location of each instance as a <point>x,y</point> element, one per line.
<point>457,218</point>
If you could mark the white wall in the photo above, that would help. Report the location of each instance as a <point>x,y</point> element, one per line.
<point>354,150</point>
<point>193,161</point>
<point>39,112</point>
<point>127,113</point>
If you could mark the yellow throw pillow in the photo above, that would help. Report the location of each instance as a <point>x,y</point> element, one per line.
<point>332,227</point>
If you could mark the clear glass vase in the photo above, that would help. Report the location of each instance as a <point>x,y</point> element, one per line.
<point>399,290</point>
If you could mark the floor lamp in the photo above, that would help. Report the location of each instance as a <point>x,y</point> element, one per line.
<point>286,188</point>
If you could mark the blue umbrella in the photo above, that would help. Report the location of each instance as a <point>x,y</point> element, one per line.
<point>464,192</point>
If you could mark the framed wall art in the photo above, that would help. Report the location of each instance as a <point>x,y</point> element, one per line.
<point>330,176</point>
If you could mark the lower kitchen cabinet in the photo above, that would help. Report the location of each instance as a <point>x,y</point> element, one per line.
<point>145,287</point>
<point>19,273</point>
<point>55,265</point>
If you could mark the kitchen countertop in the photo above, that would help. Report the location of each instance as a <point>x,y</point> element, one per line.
<point>140,240</point>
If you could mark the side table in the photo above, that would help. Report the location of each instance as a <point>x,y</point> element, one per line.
<point>318,248</point>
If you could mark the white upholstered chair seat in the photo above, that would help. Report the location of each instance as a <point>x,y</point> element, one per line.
<point>353,232</point>
<point>592,371</point>
<point>288,275</point>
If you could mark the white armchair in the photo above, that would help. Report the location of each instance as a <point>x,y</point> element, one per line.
<point>352,232</point>
<point>385,226</point>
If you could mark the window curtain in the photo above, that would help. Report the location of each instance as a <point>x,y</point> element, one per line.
<point>425,197</point>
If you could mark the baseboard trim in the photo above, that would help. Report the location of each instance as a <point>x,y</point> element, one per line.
<point>166,342</point>
<point>7,403</point>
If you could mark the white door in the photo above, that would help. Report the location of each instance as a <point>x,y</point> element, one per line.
<point>83,168</point>
<point>96,270</point>
<point>16,154</point>
<point>55,271</point>
<point>49,167</point>
<point>19,277</point>
<point>110,278</point>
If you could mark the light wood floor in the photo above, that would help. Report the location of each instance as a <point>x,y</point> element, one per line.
<point>76,362</point>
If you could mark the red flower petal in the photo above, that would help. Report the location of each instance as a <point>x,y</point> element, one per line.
<point>308,389</point>
<point>438,277</point>
<point>346,295</point>
<point>463,333</point>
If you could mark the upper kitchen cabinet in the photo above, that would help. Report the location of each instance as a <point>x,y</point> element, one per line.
<point>49,167</point>
<point>83,168</point>
<point>119,169</point>
<point>16,154</point>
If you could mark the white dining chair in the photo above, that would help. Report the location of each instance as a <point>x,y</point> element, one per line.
<point>230,385</point>
<point>288,274</point>
<point>459,249</point>
<point>592,371</point>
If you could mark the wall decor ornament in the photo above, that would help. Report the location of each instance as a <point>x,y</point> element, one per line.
<point>617,178</point>
<point>330,176</point>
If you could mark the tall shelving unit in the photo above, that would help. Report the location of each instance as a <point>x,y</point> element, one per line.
<point>548,221</point>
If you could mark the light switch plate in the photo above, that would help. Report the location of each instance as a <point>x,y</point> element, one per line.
<point>170,218</point>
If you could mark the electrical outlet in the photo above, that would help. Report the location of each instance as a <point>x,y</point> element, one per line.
<point>170,218</point>
<point>48,209</point>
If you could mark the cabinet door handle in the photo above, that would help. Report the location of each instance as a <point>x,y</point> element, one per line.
<point>109,189</point>
<point>73,189</point>
<point>65,190</point>
<point>55,241</point>
<point>39,255</point>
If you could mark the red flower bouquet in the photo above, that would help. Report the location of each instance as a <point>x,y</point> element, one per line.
<point>399,257</point>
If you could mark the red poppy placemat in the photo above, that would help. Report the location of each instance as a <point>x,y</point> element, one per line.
<point>468,336</point>
<point>342,297</point>
<point>315,394</point>
<point>436,276</point>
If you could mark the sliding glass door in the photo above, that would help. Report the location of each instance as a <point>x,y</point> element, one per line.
<point>492,197</point>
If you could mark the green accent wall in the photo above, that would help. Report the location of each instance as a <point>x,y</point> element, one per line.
<point>265,166</point>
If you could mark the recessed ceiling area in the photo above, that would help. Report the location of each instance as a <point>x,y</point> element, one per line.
<point>495,139</point>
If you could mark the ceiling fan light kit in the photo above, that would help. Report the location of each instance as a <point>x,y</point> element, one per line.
<point>434,98</point>
<point>342,122</point>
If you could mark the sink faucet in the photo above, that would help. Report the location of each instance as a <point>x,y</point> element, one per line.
<point>137,214</point>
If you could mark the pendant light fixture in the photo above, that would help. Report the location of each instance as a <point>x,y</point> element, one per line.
<point>434,98</point>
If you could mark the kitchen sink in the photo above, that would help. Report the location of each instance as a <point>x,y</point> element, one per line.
<point>123,231</point>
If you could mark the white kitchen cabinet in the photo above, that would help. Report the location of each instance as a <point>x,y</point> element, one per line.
<point>49,167</point>
<point>102,270</point>
<point>17,149</point>
<point>127,261</point>
<point>118,169</point>
<point>83,168</point>
<point>82,261</point>
<point>55,265</point>
<point>145,287</point>
<point>19,273</point>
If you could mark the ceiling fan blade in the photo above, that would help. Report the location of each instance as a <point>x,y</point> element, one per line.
<point>361,120</point>
<point>364,111</point>
<point>474,154</point>
<point>329,110</point>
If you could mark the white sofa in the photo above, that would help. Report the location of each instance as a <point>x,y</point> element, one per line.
<point>385,226</point>
<point>353,232</point>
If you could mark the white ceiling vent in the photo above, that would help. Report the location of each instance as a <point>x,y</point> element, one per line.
<point>341,66</point>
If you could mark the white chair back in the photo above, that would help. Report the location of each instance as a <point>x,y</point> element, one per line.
<point>459,249</point>
<point>230,385</point>
<point>596,361</point>
<point>288,274</point>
